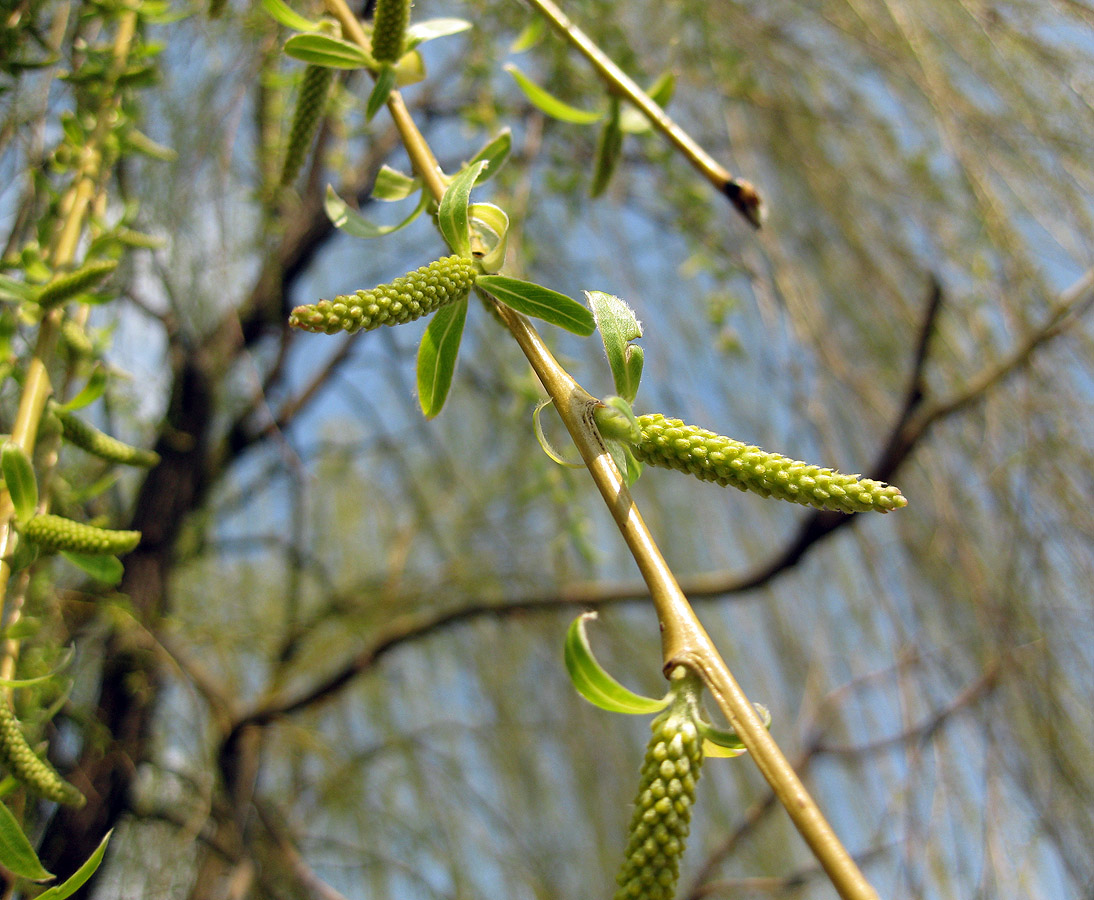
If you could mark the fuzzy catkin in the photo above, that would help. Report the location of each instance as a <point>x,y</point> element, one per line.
<point>713,457</point>
<point>389,30</point>
<point>314,89</point>
<point>82,279</point>
<point>409,297</point>
<point>662,810</point>
<point>89,438</point>
<point>28,767</point>
<point>52,532</point>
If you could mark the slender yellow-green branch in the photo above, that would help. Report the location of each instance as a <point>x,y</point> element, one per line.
<point>742,194</point>
<point>683,638</point>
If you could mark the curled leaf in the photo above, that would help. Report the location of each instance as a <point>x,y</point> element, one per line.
<point>596,685</point>
<point>545,445</point>
<point>551,105</point>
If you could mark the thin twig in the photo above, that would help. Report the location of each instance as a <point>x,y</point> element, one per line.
<point>742,194</point>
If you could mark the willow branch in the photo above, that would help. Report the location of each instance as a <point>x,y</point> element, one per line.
<point>37,387</point>
<point>742,194</point>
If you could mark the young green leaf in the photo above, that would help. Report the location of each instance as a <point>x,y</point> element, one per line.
<point>80,876</point>
<point>452,215</point>
<point>623,457</point>
<point>381,90</point>
<point>660,92</point>
<point>15,291</point>
<point>593,683</point>
<point>618,326</point>
<point>540,302</point>
<point>495,154</point>
<point>430,29</point>
<point>102,567</point>
<point>491,226</point>
<point>530,35</point>
<point>437,356</point>
<point>288,17</point>
<point>609,147</point>
<point>324,50</point>
<point>352,222</point>
<point>724,743</point>
<point>545,445</point>
<point>16,853</point>
<point>551,105</point>
<point>20,480</point>
<point>390,184</point>
<point>92,391</point>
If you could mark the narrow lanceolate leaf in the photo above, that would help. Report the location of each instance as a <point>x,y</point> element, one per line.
<point>20,480</point>
<point>353,223</point>
<point>102,567</point>
<point>494,154</point>
<point>712,457</point>
<point>550,104</point>
<point>609,147</point>
<point>27,767</point>
<point>540,302</point>
<point>442,283</point>
<point>431,29</point>
<point>324,50</point>
<point>69,285</point>
<point>381,90</point>
<point>662,809</point>
<point>618,326</point>
<point>390,184</point>
<point>50,532</point>
<point>16,853</point>
<point>88,437</point>
<point>310,105</point>
<point>285,14</point>
<point>437,356</point>
<point>78,878</point>
<point>452,216</point>
<point>389,30</point>
<point>593,682</point>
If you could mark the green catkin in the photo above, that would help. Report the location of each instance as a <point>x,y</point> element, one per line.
<point>314,90</point>
<point>389,30</point>
<point>72,283</point>
<point>28,767</point>
<point>50,532</point>
<point>75,339</point>
<point>88,437</point>
<point>409,297</point>
<point>662,810</point>
<point>712,457</point>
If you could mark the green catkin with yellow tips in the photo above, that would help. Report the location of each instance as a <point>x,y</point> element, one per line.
<point>713,457</point>
<point>27,767</point>
<point>314,90</point>
<point>389,30</point>
<point>87,437</point>
<point>50,532</point>
<point>409,297</point>
<point>84,278</point>
<point>662,809</point>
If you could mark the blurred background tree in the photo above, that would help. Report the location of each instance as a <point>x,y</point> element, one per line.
<point>334,666</point>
